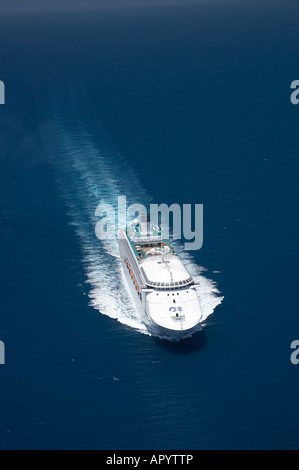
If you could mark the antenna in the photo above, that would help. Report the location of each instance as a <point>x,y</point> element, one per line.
<point>165,251</point>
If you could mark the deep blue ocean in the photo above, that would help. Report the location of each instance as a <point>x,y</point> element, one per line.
<point>171,105</point>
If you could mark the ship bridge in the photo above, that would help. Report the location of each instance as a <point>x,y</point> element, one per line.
<point>167,273</point>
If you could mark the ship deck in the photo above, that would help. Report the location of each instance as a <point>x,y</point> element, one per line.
<point>146,247</point>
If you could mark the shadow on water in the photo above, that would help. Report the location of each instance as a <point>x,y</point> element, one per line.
<point>186,346</point>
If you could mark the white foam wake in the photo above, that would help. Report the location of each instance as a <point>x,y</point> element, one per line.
<point>89,170</point>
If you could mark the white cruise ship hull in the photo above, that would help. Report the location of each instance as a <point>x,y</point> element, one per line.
<point>174,335</point>
<point>153,327</point>
<point>161,288</point>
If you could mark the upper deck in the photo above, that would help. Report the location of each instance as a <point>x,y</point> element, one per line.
<point>145,231</point>
<point>148,240</point>
<point>159,263</point>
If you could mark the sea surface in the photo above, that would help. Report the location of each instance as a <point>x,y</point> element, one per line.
<point>187,105</point>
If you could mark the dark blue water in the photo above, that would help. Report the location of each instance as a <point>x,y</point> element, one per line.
<point>95,102</point>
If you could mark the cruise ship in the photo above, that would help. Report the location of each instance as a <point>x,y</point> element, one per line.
<point>164,292</point>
